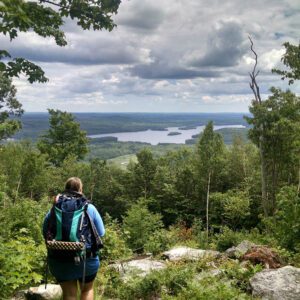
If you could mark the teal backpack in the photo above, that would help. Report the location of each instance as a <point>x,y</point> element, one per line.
<point>71,234</point>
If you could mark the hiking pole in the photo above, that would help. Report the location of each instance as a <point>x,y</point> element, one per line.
<point>46,273</point>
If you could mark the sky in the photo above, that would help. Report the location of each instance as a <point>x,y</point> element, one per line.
<point>164,56</point>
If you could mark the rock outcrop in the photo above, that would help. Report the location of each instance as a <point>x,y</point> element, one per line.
<point>239,250</point>
<point>52,292</point>
<point>140,267</point>
<point>186,253</point>
<point>279,284</point>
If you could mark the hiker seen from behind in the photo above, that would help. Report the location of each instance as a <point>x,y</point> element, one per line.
<point>72,230</point>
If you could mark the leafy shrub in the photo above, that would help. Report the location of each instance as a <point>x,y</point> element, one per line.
<point>157,242</point>
<point>209,288</point>
<point>24,214</point>
<point>140,224</point>
<point>285,224</point>
<point>21,263</point>
<point>239,275</point>
<point>227,238</point>
<point>114,242</point>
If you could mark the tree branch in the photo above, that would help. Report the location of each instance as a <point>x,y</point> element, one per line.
<point>52,3</point>
<point>253,84</point>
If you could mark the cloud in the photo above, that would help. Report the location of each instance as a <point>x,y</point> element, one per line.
<point>82,50</point>
<point>226,46</point>
<point>140,15</point>
<point>174,52</point>
<point>162,70</point>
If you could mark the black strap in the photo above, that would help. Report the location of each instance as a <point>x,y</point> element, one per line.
<point>98,240</point>
<point>51,228</point>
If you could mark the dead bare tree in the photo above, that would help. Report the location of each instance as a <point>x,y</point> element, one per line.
<point>255,89</point>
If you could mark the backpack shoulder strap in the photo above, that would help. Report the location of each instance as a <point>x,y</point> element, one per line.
<point>97,238</point>
<point>51,228</point>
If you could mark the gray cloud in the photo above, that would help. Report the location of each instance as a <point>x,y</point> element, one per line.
<point>225,47</point>
<point>173,51</point>
<point>80,51</point>
<point>162,70</point>
<point>141,15</point>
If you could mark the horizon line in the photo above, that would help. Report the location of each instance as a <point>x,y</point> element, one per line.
<point>141,112</point>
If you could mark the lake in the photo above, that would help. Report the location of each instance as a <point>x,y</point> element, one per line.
<point>155,137</point>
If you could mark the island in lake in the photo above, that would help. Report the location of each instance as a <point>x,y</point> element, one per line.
<point>174,133</point>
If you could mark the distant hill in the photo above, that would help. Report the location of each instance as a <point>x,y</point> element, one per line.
<point>35,124</point>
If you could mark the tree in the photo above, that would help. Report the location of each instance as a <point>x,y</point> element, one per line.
<point>45,18</point>
<point>64,138</point>
<point>140,223</point>
<point>143,173</point>
<point>290,59</point>
<point>9,106</point>
<point>279,116</point>
<point>210,151</point>
<point>258,102</point>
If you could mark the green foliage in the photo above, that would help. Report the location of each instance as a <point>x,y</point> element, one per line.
<point>157,242</point>
<point>64,138</point>
<point>227,238</point>
<point>143,173</point>
<point>22,251</point>
<point>276,122</point>
<point>25,216</point>
<point>25,170</point>
<point>139,223</point>
<point>290,59</point>
<point>285,224</point>
<point>23,16</point>
<point>232,208</point>
<point>9,106</point>
<point>21,263</point>
<point>181,281</point>
<point>209,288</point>
<point>115,247</point>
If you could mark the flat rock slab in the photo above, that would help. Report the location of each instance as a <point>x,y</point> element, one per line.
<point>52,292</point>
<point>186,253</point>
<point>279,284</point>
<point>140,267</point>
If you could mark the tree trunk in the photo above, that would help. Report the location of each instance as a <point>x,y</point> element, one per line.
<point>207,205</point>
<point>18,187</point>
<point>298,189</point>
<point>264,194</point>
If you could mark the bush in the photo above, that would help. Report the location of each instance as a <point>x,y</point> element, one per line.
<point>21,263</point>
<point>227,238</point>
<point>24,214</point>
<point>157,242</point>
<point>114,242</point>
<point>285,224</point>
<point>140,224</point>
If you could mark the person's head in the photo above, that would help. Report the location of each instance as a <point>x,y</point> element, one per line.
<point>74,184</point>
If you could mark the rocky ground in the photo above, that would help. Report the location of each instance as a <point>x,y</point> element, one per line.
<point>276,281</point>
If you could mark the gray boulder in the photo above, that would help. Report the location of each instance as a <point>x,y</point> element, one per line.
<point>279,284</point>
<point>140,267</point>
<point>240,249</point>
<point>186,253</point>
<point>52,292</point>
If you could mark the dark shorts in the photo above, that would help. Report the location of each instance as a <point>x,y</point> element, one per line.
<point>69,271</point>
<point>87,279</point>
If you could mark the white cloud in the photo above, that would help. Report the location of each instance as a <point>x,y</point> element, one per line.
<point>186,55</point>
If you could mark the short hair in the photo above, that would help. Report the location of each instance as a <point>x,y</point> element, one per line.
<point>73,184</point>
